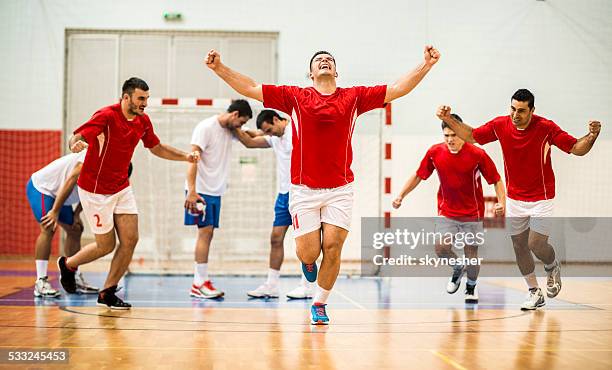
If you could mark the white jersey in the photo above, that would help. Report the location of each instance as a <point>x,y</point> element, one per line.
<point>282,149</point>
<point>49,179</point>
<point>213,166</point>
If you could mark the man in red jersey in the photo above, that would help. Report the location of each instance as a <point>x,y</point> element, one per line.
<point>111,135</point>
<point>460,201</point>
<point>525,140</point>
<point>323,118</point>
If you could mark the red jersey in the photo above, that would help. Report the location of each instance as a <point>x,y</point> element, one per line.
<point>460,192</point>
<point>527,162</point>
<point>105,170</point>
<point>322,129</point>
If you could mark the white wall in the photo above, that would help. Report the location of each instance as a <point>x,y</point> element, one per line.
<point>557,48</point>
<point>560,49</point>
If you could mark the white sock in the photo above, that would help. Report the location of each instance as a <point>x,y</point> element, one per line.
<point>471,282</point>
<point>553,264</point>
<point>321,296</point>
<point>41,268</point>
<point>532,281</point>
<point>273,277</point>
<point>305,283</point>
<point>200,274</point>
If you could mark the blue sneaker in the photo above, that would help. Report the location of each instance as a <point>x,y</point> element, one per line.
<point>310,271</point>
<point>319,316</point>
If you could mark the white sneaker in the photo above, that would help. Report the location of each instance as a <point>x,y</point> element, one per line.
<point>83,286</point>
<point>300,292</point>
<point>471,294</point>
<point>553,281</point>
<point>264,291</point>
<point>206,290</point>
<point>535,299</point>
<point>455,281</point>
<point>42,288</point>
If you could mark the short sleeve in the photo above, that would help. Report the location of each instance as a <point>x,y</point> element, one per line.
<point>199,137</point>
<point>488,169</point>
<point>562,139</point>
<point>149,139</point>
<point>279,97</point>
<point>369,98</point>
<point>95,126</point>
<point>268,140</point>
<point>426,167</point>
<point>485,133</point>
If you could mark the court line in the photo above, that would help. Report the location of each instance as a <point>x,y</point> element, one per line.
<point>447,359</point>
<point>311,330</point>
<point>355,303</point>
<point>65,309</point>
<point>368,349</point>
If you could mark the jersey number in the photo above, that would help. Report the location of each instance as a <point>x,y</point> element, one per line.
<point>97,217</point>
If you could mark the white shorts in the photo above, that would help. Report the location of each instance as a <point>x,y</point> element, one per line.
<point>529,215</point>
<point>310,207</point>
<point>465,233</point>
<point>99,208</point>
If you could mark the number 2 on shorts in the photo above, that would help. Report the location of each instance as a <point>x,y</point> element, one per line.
<point>97,217</point>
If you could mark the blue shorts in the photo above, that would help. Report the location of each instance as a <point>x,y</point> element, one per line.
<point>211,214</point>
<point>43,203</point>
<point>282,217</point>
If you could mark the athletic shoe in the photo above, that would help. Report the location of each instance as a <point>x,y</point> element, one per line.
<point>42,288</point>
<point>471,293</point>
<point>264,291</point>
<point>300,292</point>
<point>83,286</point>
<point>553,281</point>
<point>107,298</point>
<point>319,316</point>
<point>310,271</point>
<point>67,276</point>
<point>206,290</point>
<point>535,299</point>
<point>455,281</point>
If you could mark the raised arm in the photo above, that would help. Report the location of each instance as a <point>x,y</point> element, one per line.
<point>406,83</point>
<point>168,152</point>
<point>50,219</point>
<point>412,183</point>
<point>250,141</point>
<point>461,129</point>
<point>242,84</point>
<point>585,143</point>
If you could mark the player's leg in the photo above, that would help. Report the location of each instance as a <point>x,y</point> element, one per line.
<point>73,227</point>
<point>308,248</point>
<point>446,229</point>
<point>40,204</point>
<point>127,233</point>
<point>518,213</point>
<point>271,287</point>
<point>202,286</point>
<point>472,271</point>
<point>538,244</point>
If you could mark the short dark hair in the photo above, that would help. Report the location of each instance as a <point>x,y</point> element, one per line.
<point>242,106</point>
<point>132,84</point>
<point>266,115</point>
<point>524,95</point>
<point>455,116</point>
<point>319,53</point>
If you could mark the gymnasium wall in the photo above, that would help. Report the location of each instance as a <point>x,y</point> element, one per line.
<point>556,48</point>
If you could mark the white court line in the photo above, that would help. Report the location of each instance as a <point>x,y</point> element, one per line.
<point>356,304</point>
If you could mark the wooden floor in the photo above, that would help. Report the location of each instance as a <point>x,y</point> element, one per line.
<point>405,323</point>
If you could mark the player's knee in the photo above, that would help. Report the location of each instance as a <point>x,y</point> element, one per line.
<point>442,250</point>
<point>276,242</point>
<point>130,241</point>
<point>537,243</point>
<point>333,248</point>
<point>307,255</point>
